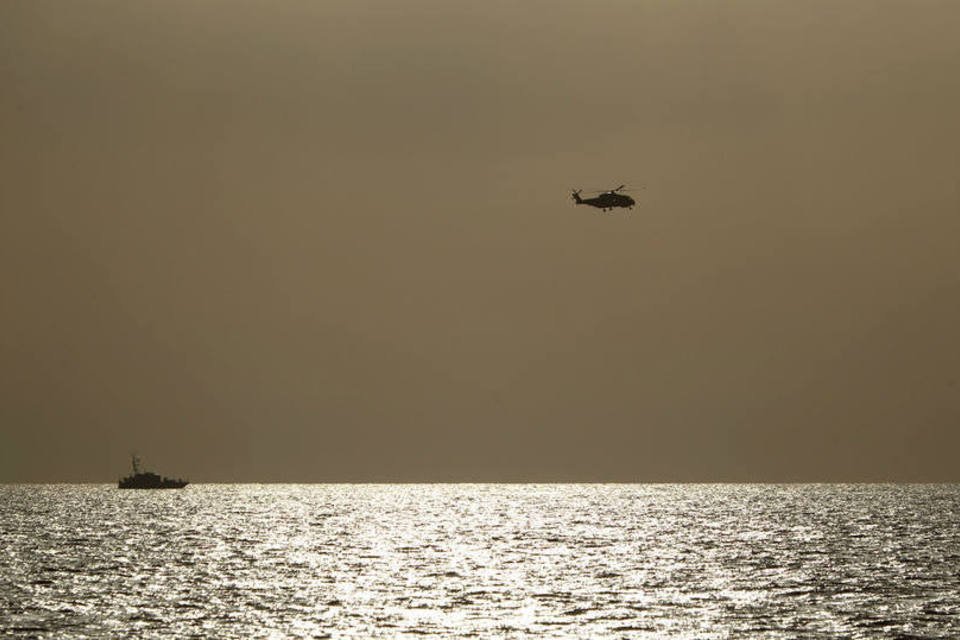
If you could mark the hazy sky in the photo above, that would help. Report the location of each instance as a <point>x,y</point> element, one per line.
<point>333,240</point>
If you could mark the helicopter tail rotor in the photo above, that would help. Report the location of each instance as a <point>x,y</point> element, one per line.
<point>576,196</point>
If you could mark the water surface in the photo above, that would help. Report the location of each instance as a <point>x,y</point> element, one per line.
<point>486,561</point>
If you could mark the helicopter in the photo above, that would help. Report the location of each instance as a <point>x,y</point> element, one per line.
<point>606,200</point>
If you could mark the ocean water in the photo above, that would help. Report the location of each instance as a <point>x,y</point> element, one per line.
<point>484,561</point>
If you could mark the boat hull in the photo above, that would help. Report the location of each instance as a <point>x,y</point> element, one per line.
<point>150,481</point>
<point>174,485</point>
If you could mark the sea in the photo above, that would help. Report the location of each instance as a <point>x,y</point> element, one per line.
<point>481,561</point>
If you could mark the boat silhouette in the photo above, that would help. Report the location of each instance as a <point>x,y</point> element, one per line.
<point>148,480</point>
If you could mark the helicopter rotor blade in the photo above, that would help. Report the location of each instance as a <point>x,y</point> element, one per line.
<point>621,188</point>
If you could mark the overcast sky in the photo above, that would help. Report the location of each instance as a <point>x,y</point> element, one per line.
<point>333,241</point>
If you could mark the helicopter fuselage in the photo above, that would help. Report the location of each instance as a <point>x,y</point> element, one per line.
<point>606,201</point>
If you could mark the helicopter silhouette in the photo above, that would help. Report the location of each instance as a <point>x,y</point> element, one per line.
<point>607,200</point>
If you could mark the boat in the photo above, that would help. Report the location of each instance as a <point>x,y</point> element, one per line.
<point>148,480</point>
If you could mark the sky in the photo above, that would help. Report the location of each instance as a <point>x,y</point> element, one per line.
<point>300,241</point>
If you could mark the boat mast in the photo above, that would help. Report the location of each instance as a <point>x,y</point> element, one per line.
<point>135,461</point>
